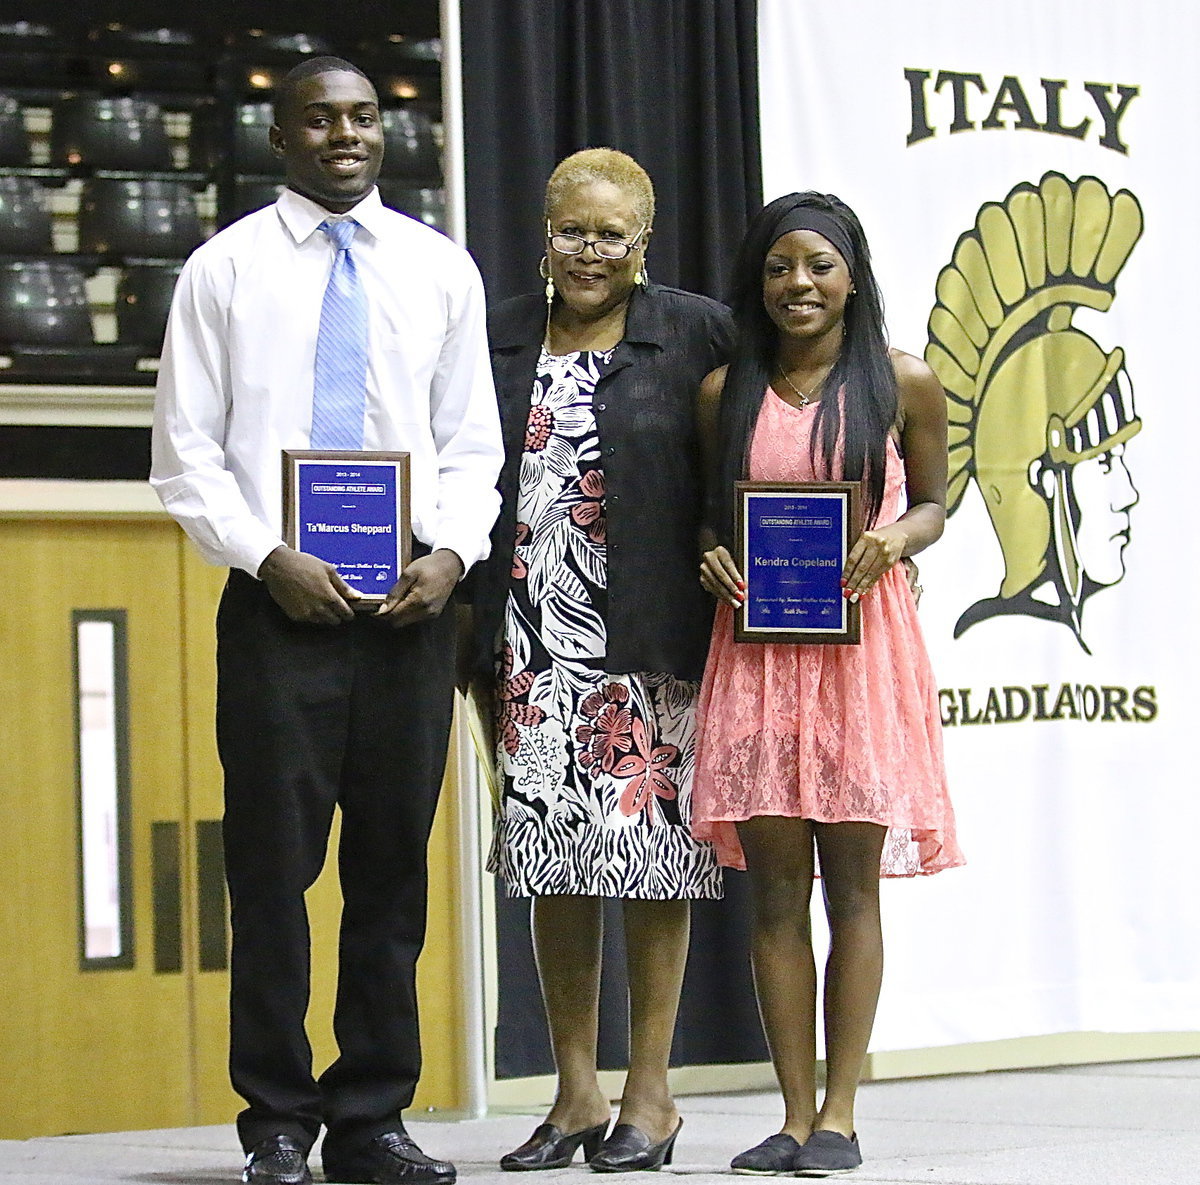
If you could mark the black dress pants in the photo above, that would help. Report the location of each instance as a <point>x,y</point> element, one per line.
<point>309,717</point>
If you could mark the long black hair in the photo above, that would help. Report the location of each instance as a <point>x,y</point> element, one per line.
<point>862,418</point>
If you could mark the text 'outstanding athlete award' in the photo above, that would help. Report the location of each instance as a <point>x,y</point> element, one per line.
<point>791,547</point>
<point>350,509</point>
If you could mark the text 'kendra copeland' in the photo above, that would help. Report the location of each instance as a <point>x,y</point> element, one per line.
<point>957,95</point>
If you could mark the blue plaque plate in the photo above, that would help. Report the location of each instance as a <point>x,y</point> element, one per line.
<point>792,543</point>
<point>350,509</point>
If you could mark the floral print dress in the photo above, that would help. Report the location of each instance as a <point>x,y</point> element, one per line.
<point>596,767</point>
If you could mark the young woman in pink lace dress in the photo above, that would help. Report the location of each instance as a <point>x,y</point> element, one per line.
<point>817,757</point>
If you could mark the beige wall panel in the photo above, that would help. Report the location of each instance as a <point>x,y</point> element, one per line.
<point>201,586</point>
<point>439,974</point>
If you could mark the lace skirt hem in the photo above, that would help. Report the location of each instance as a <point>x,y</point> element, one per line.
<point>907,851</point>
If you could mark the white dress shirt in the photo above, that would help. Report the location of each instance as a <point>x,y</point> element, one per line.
<point>236,378</point>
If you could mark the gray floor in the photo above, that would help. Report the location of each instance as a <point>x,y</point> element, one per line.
<point>1133,1124</point>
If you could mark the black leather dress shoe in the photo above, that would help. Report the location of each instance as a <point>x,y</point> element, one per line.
<point>277,1160</point>
<point>628,1150</point>
<point>390,1159</point>
<point>548,1148</point>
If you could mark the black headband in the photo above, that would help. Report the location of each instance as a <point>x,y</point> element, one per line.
<point>824,224</point>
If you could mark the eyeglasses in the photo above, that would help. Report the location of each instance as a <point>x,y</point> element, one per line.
<point>605,248</point>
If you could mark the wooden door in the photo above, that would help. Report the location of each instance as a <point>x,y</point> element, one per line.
<point>98,1031</point>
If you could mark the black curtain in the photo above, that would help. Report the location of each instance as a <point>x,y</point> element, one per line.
<point>674,84</point>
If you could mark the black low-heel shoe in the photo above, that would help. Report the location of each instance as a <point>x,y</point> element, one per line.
<point>628,1150</point>
<point>548,1148</point>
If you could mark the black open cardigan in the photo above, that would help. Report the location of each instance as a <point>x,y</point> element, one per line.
<point>659,618</point>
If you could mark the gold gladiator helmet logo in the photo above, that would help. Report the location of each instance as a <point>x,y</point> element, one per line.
<point>1039,413</point>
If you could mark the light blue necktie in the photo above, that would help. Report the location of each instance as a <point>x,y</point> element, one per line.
<point>340,375</point>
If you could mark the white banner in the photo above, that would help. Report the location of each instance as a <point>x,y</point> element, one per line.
<point>1028,177</point>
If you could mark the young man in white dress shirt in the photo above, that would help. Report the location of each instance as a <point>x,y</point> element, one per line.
<point>320,705</point>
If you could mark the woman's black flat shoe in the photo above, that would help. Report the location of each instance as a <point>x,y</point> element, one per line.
<point>548,1148</point>
<point>774,1157</point>
<point>628,1150</point>
<point>826,1153</point>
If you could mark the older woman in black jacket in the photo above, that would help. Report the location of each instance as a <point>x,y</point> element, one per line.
<point>591,623</point>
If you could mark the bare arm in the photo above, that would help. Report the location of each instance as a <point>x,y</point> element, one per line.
<point>923,434</point>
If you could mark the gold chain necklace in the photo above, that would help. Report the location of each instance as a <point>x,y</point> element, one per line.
<point>804,399</point>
